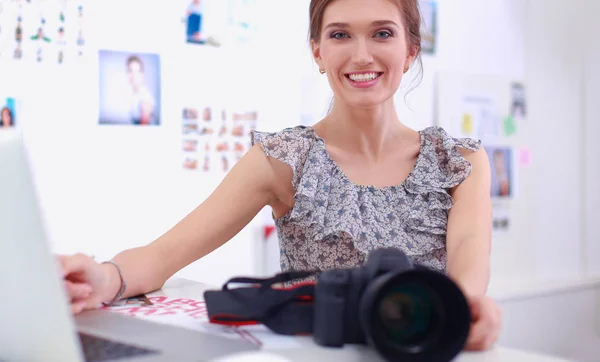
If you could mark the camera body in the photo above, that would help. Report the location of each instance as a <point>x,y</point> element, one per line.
<point>406,311</point>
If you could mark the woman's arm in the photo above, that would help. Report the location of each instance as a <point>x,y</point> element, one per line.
<point>247,188</point>
<point>468,236</point>
<point>468,242</point>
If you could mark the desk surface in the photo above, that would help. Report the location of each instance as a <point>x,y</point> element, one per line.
<point>182,288</point>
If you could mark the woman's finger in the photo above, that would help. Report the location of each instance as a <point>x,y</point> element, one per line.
<point>78,290</point>
<point>77,308</point>
<point>73,264</point>
<point>485,330</point>
<point>476,336</point>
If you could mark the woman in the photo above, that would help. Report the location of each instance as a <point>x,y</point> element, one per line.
<point>359,179</point>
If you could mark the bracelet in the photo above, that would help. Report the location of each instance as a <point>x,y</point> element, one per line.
<point>123,284</point>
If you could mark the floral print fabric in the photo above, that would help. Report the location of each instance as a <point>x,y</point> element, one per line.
<point>335,223</point>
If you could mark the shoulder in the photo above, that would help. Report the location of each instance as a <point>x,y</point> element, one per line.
<point>290,145</point>
<point>449,159</point>
<point>441,138</point>
<point>285,142</point>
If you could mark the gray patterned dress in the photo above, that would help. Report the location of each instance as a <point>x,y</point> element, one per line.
<point>335,223</point>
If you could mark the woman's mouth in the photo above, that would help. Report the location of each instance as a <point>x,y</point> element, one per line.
<point>363,80</point>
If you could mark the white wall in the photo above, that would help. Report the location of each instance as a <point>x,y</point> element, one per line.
<point>591,146</point>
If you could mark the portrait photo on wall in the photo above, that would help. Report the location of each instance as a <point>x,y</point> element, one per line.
<point>195,24</point>
<point>8,112</point>
<point>518,106</point>
<point>428,25</point>
<point>129,88</point>
<point>502,170</point>
<point>217,23</point>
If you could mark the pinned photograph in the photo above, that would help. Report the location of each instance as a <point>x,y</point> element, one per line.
<point>501,163</point>
<point>7,113</point>
<point>196,30</point>
<point>518,107</point>
<point>215,22</point>
<point>428,25</point>
<point>129,88</point>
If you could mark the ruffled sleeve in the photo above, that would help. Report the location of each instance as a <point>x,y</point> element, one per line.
<point>443,165</point>
<point>289,146</point>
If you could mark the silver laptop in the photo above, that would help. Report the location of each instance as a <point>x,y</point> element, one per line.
<point>35,317</point>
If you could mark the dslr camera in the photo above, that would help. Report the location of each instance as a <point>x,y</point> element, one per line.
<point>405,311</point>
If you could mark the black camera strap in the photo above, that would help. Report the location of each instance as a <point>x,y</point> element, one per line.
<point>284,310</point>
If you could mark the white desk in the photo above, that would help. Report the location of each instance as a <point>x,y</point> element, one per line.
<point>310,351</point>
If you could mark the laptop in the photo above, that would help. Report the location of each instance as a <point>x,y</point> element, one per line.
<point>37,323</point>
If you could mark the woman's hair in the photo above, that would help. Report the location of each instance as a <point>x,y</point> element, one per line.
<point>411,17</point>
<point>135,59</point>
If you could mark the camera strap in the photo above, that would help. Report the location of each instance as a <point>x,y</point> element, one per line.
<point>284,310</point>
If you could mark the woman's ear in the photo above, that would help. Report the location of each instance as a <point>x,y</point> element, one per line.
<point>316,51</point>
<point>413,51</point>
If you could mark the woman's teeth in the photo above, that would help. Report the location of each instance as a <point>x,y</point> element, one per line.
<point>365,77</point>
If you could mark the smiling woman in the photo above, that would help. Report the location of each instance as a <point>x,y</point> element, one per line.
<point>357,181</point>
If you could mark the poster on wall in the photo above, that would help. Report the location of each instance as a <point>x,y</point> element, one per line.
<point>428,25</point>
<point>45,32</point>
<point>214,139</point>
<point>129,88</point>
<point>480,117</point>
<point>503,188</point>
<point>219,22</point>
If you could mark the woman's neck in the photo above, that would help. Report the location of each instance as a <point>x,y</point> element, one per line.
<point>369,132</point>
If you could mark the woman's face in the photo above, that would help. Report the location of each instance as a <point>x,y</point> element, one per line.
<point>135,74</point>
<point>6,117</point>
<point>364,50</point>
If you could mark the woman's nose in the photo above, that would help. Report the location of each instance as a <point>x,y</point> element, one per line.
<point>362,55</point>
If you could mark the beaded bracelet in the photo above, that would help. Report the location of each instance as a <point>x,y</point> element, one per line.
<point>123,284</point>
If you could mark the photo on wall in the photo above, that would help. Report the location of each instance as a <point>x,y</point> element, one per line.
<point>503,171</point>
<point>8,112</point>
<point>518,106</point>
<point>129,88</point>
<point>216,23</point>
<point>195,24</point>
<point>428,25</point>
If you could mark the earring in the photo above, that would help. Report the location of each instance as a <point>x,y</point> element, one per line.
<point>322,71</point>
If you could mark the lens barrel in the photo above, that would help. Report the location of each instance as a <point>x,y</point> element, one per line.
<point>416,315</point>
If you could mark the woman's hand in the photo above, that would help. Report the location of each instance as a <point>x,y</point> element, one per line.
<point>86,281</point>
<point>485,324</point>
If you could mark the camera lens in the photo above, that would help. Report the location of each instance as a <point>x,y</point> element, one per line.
<point>409,315</point>
<point>415,316</point>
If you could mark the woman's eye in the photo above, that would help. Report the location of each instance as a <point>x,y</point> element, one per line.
<point>338,35</point>
<point>384,34</point>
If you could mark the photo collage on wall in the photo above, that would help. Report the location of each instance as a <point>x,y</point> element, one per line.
<point>214,139</point>
<point>42,31</point>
